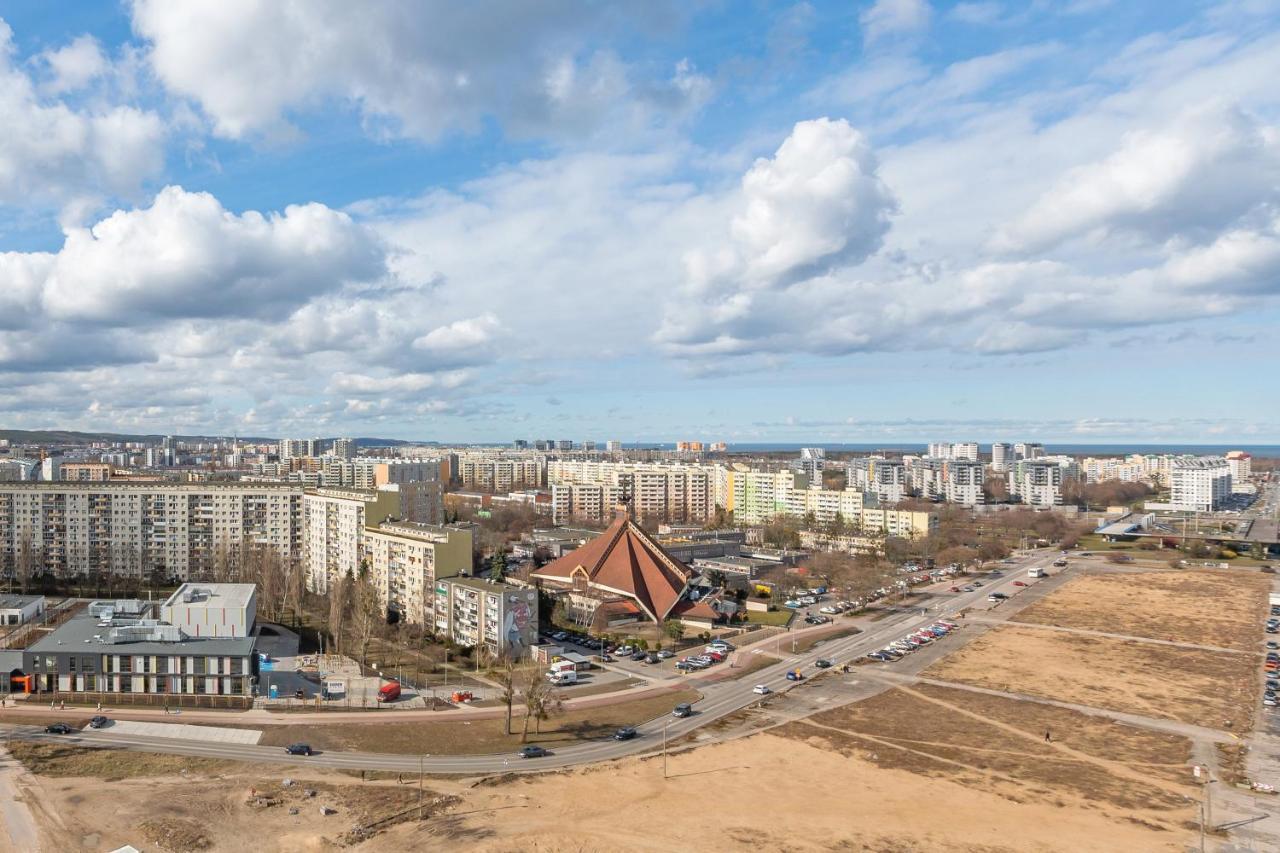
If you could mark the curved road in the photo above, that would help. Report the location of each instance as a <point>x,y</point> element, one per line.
<point>720,698</point>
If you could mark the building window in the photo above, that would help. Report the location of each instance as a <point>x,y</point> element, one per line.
<point>71,664</point>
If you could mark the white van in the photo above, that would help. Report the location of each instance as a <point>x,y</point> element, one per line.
<point>1035,573</point>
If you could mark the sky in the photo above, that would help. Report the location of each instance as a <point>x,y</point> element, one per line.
<point>744,221</point>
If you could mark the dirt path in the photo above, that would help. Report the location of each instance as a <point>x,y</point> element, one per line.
<point>1014,622</point>
<point>20,833</point>
<point>1188,730</point>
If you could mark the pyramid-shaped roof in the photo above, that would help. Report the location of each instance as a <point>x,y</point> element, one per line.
<point>627,561</point>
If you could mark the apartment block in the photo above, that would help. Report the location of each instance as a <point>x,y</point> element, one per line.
<point>497,473</point>
<point>406,560</point>
<point>656,492</point>
<point>333,523</point>
<point>178,530</point>
<point>498,617</point>
<point>952,480</point>
<point>885,478</point>
<point>85,472</point>
<point>1200,484</point>
<point>1037,482</point>
<point>1002,456</point>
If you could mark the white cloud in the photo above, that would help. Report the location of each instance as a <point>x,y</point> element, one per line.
<point>1208,168</point>
<point>894,17</point>
<point>460,337</point>
<point>52,152</point>
<point>74,65</point>
<point>412,70</point>
<point>187,256</point>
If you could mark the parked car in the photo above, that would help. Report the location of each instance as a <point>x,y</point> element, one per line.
<point>298,749</point>
<point>98,722</point>
<point>58,729</point>
<point>639,655</point>
<point>651,658</point>
<point>761,689</point>
<point>684,709</point>
<point>623,651</point>
<point>625,733</point>
<point>685,666</point>
<point>532,751</point>
<point>664,654</point>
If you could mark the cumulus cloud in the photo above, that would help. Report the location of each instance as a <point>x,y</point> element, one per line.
<point>74,65</point>
<point>413,70</point>
<point>893,17</point>
<point>52,151</point>
<point>1209,167</point>
<point>818,203</point>
<point>187,256</point>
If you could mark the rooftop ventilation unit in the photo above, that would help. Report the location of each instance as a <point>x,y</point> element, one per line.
<point>195,593</point>
<point>119,607</point>
<point>156,632</point>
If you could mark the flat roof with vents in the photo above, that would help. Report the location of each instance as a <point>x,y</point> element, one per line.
<point>229,595</point>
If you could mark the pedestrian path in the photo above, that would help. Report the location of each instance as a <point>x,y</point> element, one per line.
<point>212,734</point>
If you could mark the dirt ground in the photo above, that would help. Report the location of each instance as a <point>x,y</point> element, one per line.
<point>1192,686</point>
<point>477,736</point>
<point>1224,609</point>
<point>830,800</point>
<point>999,745</point>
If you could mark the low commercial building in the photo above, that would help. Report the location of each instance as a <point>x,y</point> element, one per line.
<point>122,647</point>
<point>499,617</point>
<point>20,609</point>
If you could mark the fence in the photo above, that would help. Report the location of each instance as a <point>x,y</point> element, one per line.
<point>149,700</point>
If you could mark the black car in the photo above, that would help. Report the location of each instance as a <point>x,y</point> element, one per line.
<point>533,752</point>
<point>822,663</point>
<point>298,749</point>
<point>639,655</point>
<point>58,729</point>
<point>684,709</point>
<point>624,733</point>
<point>98,722</point>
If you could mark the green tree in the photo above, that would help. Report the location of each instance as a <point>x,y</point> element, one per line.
<point>674,629</point>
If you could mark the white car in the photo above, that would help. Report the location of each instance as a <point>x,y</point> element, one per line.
<point>762,689</point>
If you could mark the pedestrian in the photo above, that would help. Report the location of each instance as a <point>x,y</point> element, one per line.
<point>98,705</point>
<point>1047,737</point>
<point>63,704</point>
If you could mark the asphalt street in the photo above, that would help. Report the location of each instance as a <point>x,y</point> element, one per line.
<point>720,698</point>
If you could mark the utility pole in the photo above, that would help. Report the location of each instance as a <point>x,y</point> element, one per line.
<point>664,748</point>
<point>422,760</point>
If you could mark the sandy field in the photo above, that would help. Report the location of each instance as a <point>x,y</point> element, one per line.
<point>766,792</point>
<point>1224,609</point>
<point>1190,685</point>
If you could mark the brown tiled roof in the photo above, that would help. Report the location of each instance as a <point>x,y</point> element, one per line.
<point>626,560</point>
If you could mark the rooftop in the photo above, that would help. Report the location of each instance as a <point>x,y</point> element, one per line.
<point>83,633</point>
<point>17,602</point>
<point>233,595</point>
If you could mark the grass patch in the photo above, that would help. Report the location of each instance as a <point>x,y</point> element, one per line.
<point>776,618</point>
<point>481,737</point>
<point>806,643</point>
<point>109,765</point>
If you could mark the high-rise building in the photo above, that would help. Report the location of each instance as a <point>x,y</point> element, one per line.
<point>502,618</point>
<point>952,480</point>
<point>1028,450</point>
<point>1200,484</point>
<point>810,463</point>
<point>1036,482</point>
<point>170,530</point>
<point>885,478</point>
<point>1241,466</point>
<point>407,560</point>
<point>655,492</point>
<point>333,522</point>
<point>1001,456</point>
<point>613,446</point>
<point>344,448</point>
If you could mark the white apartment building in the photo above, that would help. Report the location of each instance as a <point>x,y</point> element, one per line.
<point>501,473</point>
<point>1002,456</point>
<point>656,492</point>
<point>178,530</point>
<point>1241,465</point>
<point>810,463</point>
<point>757,497</point>
<point>333,523</point>
<point>1200,484</point>
<point>344,448</point>
<point>1028,450</point>
<point>825,504</point>
<point>406,560</point>
<point>954,450</point>
<point>953,480</point>
<point>885,478</point>
<point>1037,482</point>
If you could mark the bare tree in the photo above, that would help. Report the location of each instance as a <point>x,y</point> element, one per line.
<point>24,564</point>
<point>506,678</point>
<point>339,604</point>
<point>367,610</point>
<point>541,700</point>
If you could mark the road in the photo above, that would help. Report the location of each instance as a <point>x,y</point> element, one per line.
<point>720,699</point>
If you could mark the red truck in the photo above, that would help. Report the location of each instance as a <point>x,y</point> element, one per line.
<point>389,692</point>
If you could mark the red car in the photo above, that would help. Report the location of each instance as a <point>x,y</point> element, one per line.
<point>954,589</point>
<point>1019,583</point>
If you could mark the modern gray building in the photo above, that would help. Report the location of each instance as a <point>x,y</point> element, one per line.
<point>122,647</point>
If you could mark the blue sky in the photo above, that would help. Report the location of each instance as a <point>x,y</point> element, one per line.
<point>745,221</point>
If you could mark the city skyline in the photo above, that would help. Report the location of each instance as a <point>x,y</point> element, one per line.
<point>831,223</point>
